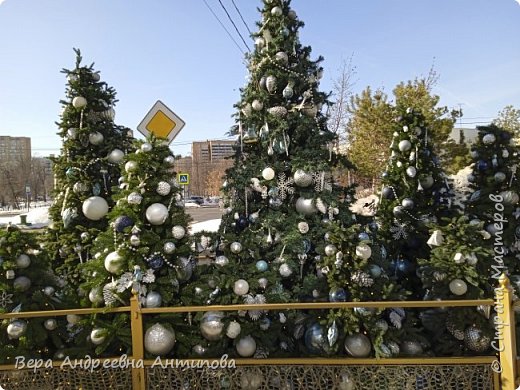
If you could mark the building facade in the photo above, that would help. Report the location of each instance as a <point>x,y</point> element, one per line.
<point>15,148</point>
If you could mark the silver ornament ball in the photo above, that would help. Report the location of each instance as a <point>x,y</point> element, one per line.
<point>159,340</point>
<point>153,299</point>
<point>212,325</point>
<point>358,345</point>
<point>156,213</point>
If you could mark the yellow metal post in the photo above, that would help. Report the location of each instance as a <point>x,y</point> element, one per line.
<point>505,332</point>
<point>136,321</point>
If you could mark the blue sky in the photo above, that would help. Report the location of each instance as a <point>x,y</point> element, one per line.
<point>175,51</point>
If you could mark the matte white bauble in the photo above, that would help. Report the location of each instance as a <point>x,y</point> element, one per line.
<point>22,283</point>
<point>23,261</point>
<point>178,232</point>
<point>96,138</point>
<point>305,206</point>
<point>114,263</point>
<point>116,156</point>
<point>257,105</point>
<point>146,147</point>
<point>488,139</point>
<point>96,295</point>
<point>411,171</point>
<point>405,145</point>
<point>73,319</point>
<point>16,329</point>
<point>159,340</point>
<point>233,330</point>
<point>241,287</point>
<point>157,213</point>
<point>153,299</point>
<point>236,247</point>
<point>268,173</point>
<point>130,166</point>
<point>79,102</point>
<point>246,346</point>
<point>98,336</point>
<point>50,324</point>
<point>458,287</point>
<point>95,208</point>
<point>363,251</point>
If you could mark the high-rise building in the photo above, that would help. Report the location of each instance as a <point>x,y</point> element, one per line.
<point>15,149</point>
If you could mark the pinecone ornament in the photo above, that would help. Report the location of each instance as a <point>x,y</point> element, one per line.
<point>362,278</point>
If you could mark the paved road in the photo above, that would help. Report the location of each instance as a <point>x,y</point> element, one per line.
<point>201,214</point>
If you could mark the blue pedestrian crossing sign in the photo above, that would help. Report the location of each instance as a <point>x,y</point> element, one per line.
<point>183,179</point>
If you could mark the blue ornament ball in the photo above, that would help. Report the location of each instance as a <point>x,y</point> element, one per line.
<point>261,265</point>
<point>363,236</point>
<point>156,262</point>
<point>307,246</point>
<point>505,135</point>
<point>315,340</point>
<point>404,267</point>
<point>388,193</point>
<point>375,270</point>
<point>242,223</point>
<point>337,295</point>
<point>122,222</point>
<point>482,165</point>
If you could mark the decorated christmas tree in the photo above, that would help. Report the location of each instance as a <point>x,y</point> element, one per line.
<point>146,248</point>
<point>494,198</point>
<point>280,201</point>
<point>85,171</point>
<point>414,193</point>
<point>458,268</point>
<point>26,284</point>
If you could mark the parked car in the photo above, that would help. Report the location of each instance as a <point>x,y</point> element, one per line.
<point>196,199</point>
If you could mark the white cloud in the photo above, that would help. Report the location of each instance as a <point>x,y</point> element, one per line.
<point>518,1</point>
<point>1,1</point>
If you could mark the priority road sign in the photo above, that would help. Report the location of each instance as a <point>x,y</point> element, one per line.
<point>161,122</point>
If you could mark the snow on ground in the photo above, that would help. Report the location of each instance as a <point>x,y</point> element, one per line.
<point>365,206</point>
<point>210,226</point>
<point>37,217</point>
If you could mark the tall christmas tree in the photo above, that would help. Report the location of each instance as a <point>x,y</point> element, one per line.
<point>85,171</point>
<point>146,247</point>
<point>414,193</point>
<point>26,284</point>
<point>280,200</point>
<point>494,198</point>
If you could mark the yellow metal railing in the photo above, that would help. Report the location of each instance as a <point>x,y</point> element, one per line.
<point>505,368</point>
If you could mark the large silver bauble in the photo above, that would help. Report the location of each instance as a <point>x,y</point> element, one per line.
<point>211,325</point>
<point>236,247</point>
<point>156,213</point>
<point>116,156</point>
<point>246,346</point>
<point>23,261</point>
<point>411,171</point>
<point>178,232</point>
<point>16,329</point>
<point>96,138</point>
<point>458,287</point>
<point>241,287</point>
<point>22,284</point>
<point>50,324</point>
<point>79,102</point>
<point>153,299</point>
<point>358,345</point>
<point>305,206</point>
<point>407,203</point>
<point>114,263</point>
<point>363,251</point>
<point>159,340</point>
<point>170,160</point>
<point>404,145</point>
<point>95,208</point>
<point>302,178</point>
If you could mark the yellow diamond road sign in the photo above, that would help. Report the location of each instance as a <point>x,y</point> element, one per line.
<point>161,122</point>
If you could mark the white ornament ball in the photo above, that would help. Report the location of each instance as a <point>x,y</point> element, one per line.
<point>23,261</point>
<point>16,329</point>
<point>411,171</point>
<point>159,340</point>
<point>488,139</point>
<point>146,147</point>
<point>95,208</point>
<point>305,206</point>
<point>73,319</point>
<point>79,102</point>
<point>211,325</point>
<point>22,283</point>
<point>114,263</point>
<point>163,188</point>
<point>96,295</point>
<point>302,178</point>
<point>169,247</point>
<point>157,213</point>
<point>153,299</point>
<point>262,282</point>
<point>510,197</point>
<point>116,156</point>
<point>303,227</point>
<point>49,291</point>
<point>131,166</point>
<point>268,173</point>
<point>72,133</point>
<point>96,138</point>
<point>241,287</point>
<point>276,11</point>
<point>285,270</point>
<point>282,57</point>
<point>292,15</point>
<point>178,232</point>
<point>246,346</point>
<point>330,250</point>
<point>260,42</point>
<point>50,324</point>
<point>134,198</point>
<point>236,247</point>
<point>221,261</point>
<point>98,336</point>
<point>170,160</point>
<point>257,105</point>
<point>363,251</point>
<point>233,330</point>
<point>458,287</point>
<point>405,145</point>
